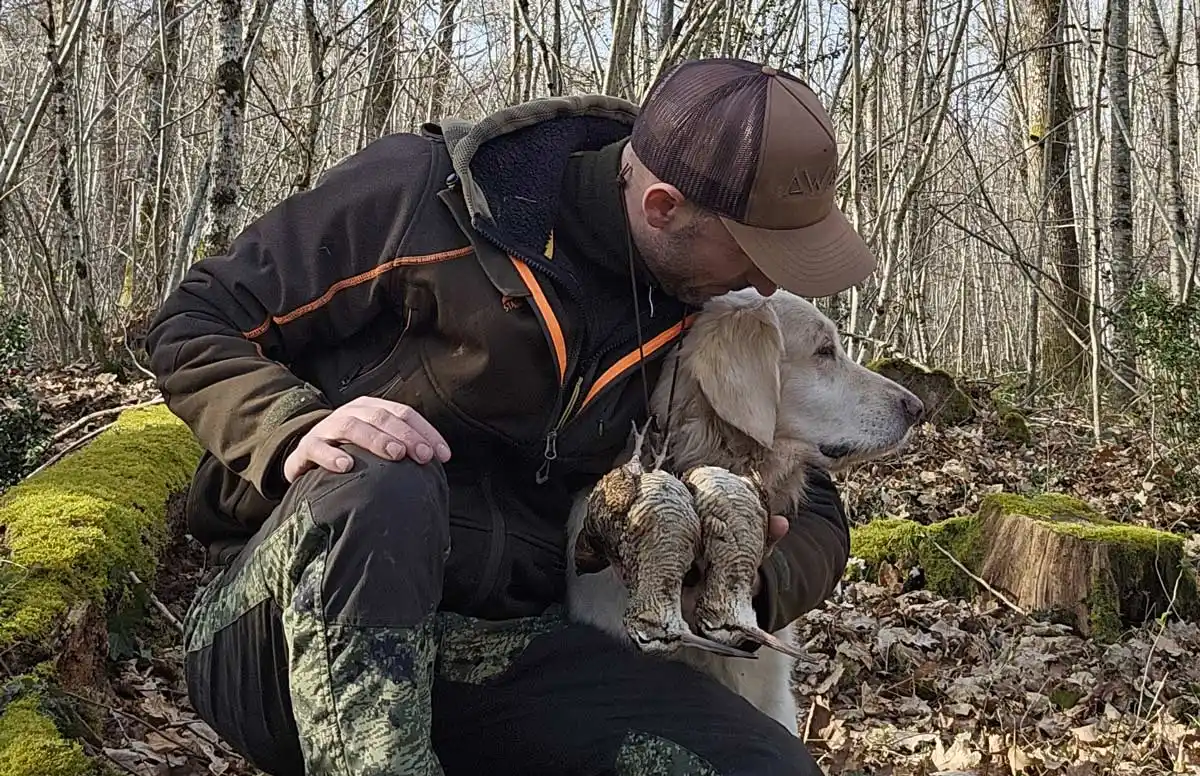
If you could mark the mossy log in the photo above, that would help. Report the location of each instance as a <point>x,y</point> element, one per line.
<point>945,403</point>
<point>1051,554</point>
<point>69,536</point>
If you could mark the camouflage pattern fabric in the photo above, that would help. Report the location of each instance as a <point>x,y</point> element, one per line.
<point>360,695</point>
<point>643,754</point>
<point>319,651</point>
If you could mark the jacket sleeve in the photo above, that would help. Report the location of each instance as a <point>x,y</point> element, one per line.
<point>809,560</point>
<point>312,270</point>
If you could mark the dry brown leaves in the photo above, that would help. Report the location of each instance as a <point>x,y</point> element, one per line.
<point>154,731</point>
<point>72,392</point>
<point>900,684</point>
<point>945,471</point>
<point>912,684</point>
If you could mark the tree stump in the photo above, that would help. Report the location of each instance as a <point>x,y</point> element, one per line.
<point>1056,556</point>
<point>1050,554</point>
<point>945,403</point>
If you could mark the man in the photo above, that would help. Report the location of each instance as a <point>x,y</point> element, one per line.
<point>404,375</point>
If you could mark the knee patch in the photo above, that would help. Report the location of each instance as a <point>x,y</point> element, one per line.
<point>643,754</point>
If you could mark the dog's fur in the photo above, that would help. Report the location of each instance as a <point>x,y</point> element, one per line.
<point>762,384</point>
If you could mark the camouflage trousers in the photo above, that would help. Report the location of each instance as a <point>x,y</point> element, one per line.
<point>321,650</point>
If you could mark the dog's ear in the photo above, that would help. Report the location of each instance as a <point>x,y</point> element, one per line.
<point>736,362</point>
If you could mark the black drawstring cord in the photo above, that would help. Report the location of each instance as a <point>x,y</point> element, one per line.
<point>622,181</point>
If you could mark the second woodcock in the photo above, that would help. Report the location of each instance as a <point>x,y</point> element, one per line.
<point>734,527</point>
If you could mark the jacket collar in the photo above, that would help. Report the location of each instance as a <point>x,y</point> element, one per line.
<point>511,166</point>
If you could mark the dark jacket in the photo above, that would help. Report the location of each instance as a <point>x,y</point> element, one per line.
<point>422,270</point>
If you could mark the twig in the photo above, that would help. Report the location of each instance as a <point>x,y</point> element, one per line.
<point>69,448</point>
<point>888,347</point>
<point>185,747</point>
<point>102,413</point>
<point>132,356</point>
<point>100,748</point>
<point>983,584</point>
<point>159,605</point>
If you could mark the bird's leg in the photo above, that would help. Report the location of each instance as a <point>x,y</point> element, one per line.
<point>639,439</point>
<point>660,456</point>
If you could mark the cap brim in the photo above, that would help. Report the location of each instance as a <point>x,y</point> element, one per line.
<point>817,260</point>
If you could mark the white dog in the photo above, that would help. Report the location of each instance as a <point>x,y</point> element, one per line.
<point>762,383</point>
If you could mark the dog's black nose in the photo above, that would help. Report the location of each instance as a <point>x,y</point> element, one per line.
<point>914,409</point>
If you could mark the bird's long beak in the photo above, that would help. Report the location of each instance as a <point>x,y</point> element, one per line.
<point>767,640</point>
<point>699,642</point>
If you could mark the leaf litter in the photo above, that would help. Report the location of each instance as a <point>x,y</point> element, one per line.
<point>898,683</point>
<point>909,683</point>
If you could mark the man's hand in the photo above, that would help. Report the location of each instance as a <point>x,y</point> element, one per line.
<point>386,428</point>
<point>776,530</point>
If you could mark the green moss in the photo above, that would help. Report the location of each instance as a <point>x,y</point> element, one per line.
<point>1055,507</point>
<point>1104,609</point>
<point>905,543</point>
<point>1014,428</point>
<point>1141,561</point>
<point>899,364</point>
<point>945,402</point>
<point>31,744</point>
<point>90,518</point>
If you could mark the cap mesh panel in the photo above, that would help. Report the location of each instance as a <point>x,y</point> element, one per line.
<point>701,128</point>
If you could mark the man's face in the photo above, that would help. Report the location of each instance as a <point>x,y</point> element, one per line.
<point>695,258</point>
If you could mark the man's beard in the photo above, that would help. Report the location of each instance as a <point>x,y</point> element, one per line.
<point>670,263</point>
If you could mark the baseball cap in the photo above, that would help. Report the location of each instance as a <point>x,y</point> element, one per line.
<point>754,145</point>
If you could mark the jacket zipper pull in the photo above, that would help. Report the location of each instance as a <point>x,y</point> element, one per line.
<point>550,453</point>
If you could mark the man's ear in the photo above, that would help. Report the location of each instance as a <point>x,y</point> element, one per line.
<point>662,203</point>
<point>736,361</point>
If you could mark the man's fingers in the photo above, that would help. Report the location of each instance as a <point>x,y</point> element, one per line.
<point>313,452</point>
<point>777,528</point>
<point>385,428</point>
<point>406,424</point>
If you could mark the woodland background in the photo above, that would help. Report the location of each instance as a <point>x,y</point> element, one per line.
<point>1028,172</point>
<point>1025,169</point>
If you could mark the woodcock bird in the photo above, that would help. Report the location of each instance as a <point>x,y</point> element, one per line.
<point>645,523</point>
<point>734,522</point>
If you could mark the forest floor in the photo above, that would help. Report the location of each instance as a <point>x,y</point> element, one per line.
<point>898,683</point>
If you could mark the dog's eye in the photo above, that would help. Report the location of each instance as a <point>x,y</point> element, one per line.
<point>827,350</point>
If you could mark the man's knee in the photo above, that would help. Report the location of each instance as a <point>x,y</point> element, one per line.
<point>370,497</point>
<point>388,537</point>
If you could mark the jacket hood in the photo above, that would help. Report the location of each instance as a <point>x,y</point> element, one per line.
<point>510,163</point>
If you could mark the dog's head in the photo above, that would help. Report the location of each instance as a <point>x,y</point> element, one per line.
<point>774,369</point>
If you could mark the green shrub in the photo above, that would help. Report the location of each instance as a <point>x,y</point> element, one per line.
<point>24,432</point>
<point>1166,335</point>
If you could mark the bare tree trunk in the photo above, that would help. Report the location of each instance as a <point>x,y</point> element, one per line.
<point>230,85</point>
<point>110,197</point>
<point>19,143</point>
<point>1168,64</point>
<point>1064,323</point>
<point>1120,185</point>
<point>69,230</point>
<point>442,60</point>
<point>154,210</point>
<point>383,30</point>
<point>666,24</point>
<point>619,77</point>
<point>318,43</point>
